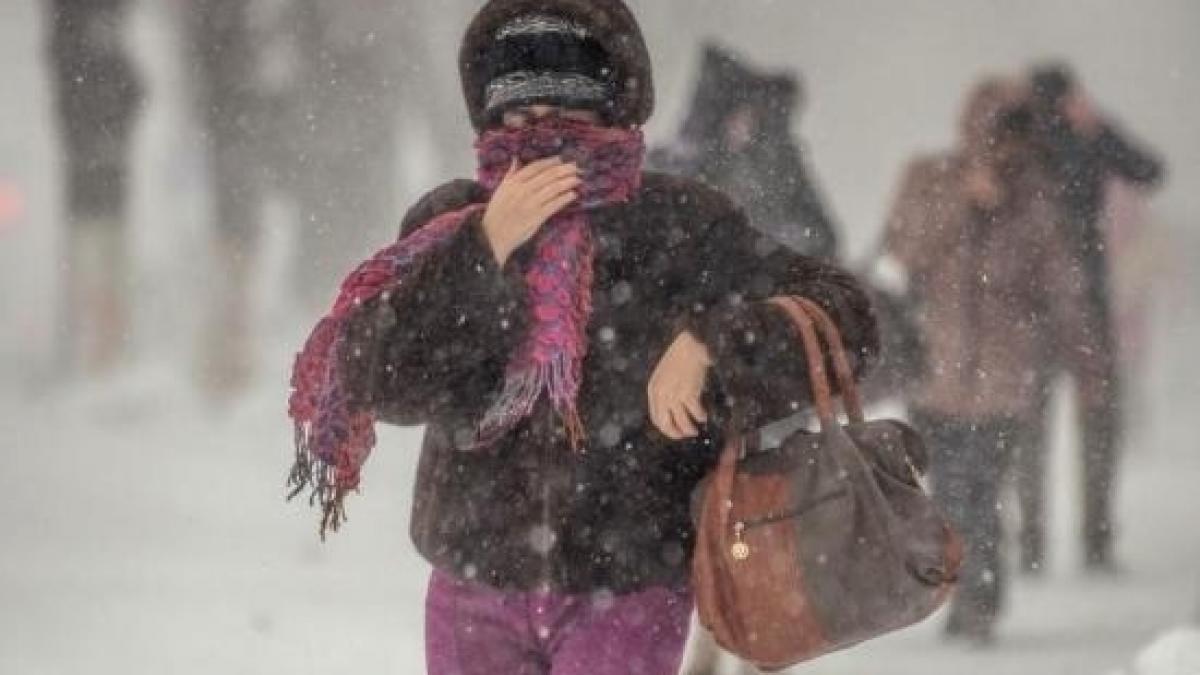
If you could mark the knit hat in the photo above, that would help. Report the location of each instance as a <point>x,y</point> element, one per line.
<point>584,54</point>
<point>541,58</point>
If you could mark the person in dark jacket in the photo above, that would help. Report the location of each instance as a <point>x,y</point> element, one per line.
<point>99,93</point>
<point>1082,152</point>
<point>738,138</point>
<point>571,331</point>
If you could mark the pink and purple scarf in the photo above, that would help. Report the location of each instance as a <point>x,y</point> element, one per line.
<point>334,437</point>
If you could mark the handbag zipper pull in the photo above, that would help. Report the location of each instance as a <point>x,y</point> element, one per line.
<point>740,549</point>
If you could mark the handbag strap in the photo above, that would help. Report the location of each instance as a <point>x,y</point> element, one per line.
<point>818,377</point>
<point>847,386</point>
<point>804,314</point>
<point>807,317</point>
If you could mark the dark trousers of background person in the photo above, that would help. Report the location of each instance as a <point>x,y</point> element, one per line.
<point>970,460</point>
<point>1101,425</point>
<point>1099,440</point>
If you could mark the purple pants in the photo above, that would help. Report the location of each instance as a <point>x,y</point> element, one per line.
<point>472,629</point>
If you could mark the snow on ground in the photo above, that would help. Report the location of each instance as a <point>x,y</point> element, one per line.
<point>145,534</point>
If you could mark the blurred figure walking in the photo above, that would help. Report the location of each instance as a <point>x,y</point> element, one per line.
<point>1083,153</point>
<point>984,253</point>
<point>298,98</point>
<point>738,138</point>
<point>99,94</point>
<point>225,53</point>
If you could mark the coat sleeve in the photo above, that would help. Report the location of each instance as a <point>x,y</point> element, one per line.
<point>917,225</point>
<point>1123,158</point>
<point>813,220</point>
<point>759,361</point>
<point>438,343</point>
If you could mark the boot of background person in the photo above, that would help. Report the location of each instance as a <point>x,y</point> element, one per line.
<point>97,311</point>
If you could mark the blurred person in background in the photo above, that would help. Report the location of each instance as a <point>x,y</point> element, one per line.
<point>738,138</point>
<point>1083,153</point>
<point>983,252</point>
<point>98,94</point>
<point>225,54</point>
<point>554,325</point>
<point>297,98</point>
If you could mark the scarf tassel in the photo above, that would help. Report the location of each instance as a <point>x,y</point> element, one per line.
<point>558,378</point>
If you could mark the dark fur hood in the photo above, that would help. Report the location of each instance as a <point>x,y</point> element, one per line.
<point>610,22</point>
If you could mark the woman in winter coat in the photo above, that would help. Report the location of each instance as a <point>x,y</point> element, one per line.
<point>983,250</point>
<point>566,327</point>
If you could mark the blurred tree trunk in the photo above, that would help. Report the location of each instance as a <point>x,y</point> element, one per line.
<point>98,98</point>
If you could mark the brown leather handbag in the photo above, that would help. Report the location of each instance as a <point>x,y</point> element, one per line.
<point>829,539</point>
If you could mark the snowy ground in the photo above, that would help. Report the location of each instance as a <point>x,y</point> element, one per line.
<point>146,536</point>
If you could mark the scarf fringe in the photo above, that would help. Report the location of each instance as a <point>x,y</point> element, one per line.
<point>558,378</point>
<point>320,479</point>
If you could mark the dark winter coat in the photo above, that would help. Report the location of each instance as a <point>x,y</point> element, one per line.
<point>770,178</point>
<point>529,510</point>
<point>1079,169</point>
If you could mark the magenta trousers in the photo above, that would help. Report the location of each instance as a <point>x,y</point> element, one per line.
<point>473,629</point>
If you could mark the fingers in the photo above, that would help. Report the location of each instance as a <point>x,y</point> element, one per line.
<point>655,413</point>
<point>557,204</point>
<point>683,422</point>
<point>679,419</point>
<point>550,177</point>
<point>551,190</point>
<point>534,171</point>
<point>695,410</point>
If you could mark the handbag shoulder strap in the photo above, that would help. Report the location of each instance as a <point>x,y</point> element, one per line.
<point>822,392</point>
<point>847,386</point>
<point>804,314</point>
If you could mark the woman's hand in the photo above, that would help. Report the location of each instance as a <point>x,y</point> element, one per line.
<point>676,386</point>
<point>526,198</point>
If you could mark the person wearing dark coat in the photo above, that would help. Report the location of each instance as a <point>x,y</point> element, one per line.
<point>571,331</point>
<point>738,138</point>
<point>99,93</point>
<point>1082,152</point>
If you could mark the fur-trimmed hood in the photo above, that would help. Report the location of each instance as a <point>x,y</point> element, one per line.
<point>610,22</point>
